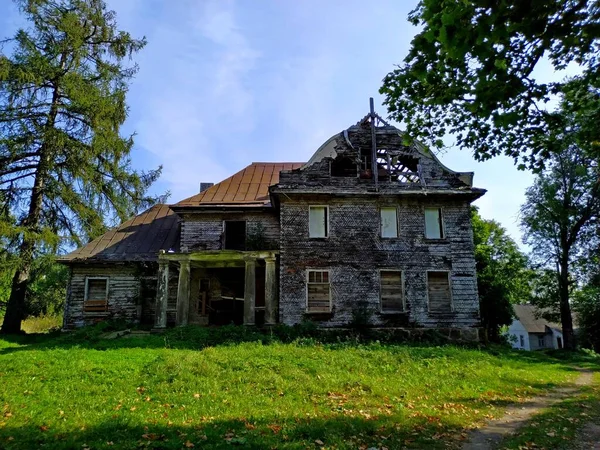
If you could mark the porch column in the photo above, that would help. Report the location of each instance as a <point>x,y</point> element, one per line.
<point>183,293</point>
<point>162,294</point>
<point>250,293</point>
<point>270,292</point>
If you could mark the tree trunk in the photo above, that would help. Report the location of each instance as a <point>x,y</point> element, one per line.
<point>16,303</point>
<point>565,307</point>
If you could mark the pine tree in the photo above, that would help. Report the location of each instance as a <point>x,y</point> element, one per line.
<point>64,166</point>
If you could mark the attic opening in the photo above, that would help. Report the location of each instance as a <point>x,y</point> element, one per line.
<point>343,166</point>
<point>397,167</point>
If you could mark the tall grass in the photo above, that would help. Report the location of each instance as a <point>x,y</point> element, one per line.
<point>42,324</point>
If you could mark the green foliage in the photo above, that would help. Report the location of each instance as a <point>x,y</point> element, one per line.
<point>46,291</point>
<point>60,392</point>
<point>502,274</point>
<point>470,73</point>
<point>65,169</point>
<point>587,306</point>
<point>560,216</point>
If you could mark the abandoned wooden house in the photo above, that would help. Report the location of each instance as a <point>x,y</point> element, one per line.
<point>367,226</point>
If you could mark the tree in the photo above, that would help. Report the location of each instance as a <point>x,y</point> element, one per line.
<point>560,215</point>
<point>502,274</point>
<point>470,73</point>
<point>64,166</point>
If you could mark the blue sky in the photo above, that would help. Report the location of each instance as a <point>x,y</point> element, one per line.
<point>223,83</point>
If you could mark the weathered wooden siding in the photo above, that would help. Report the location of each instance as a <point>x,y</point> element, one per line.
<point>354,253</point>
<point>123,294</point>
<point>204,231</point>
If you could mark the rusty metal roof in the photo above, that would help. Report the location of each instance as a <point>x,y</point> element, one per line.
<point>138,239</point>
<point>249,187</point>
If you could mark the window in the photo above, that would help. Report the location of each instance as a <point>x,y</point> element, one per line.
<point>318,222</point>
<point>391,292</point>
<point>235,234</point>
<point>318,291</point>
<point>541,341</point>
<point>438,291</point>
<point>434,228</point>
<point>96,295</point>
<point>522,340</point>
<point>389,222</point>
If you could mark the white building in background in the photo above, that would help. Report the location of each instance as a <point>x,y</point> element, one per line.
<point>527,332</point>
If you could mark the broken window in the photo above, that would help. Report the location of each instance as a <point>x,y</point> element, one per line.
<point>397,167</point>
<point>318,292</point>
<point>96,295</point>
<point>391,291</point>
<point>235,235</point>
<point>438,291</point>
<point>343,166</point>
<point>434,227</point>
<point>318,222</point>
<point>389,222</point>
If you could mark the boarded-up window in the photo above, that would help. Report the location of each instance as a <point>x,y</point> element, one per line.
<point>438,289</point>
<point>318,222</point>
<point>433,223</point>
<point>391,292</point>
<point>389,222</point>
<point>318,291</point>
<point>96,295</point>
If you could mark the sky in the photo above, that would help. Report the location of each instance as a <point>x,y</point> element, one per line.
<point>224,83</point>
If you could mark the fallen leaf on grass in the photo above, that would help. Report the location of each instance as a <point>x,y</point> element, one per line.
<point>319,442</point>
<point>44,428</point>
<point>189,444</point>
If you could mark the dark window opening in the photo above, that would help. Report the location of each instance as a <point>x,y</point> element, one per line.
<point>235,235</point>
<point>343,167</point>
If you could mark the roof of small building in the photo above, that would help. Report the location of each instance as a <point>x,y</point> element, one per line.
<point>526,314</point>
<point>249,187</point>
<point>138,239</point>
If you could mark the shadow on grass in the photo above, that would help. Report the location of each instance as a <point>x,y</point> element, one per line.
<point>281,433</point>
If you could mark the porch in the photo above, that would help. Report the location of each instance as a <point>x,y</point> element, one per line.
<point>207,280</point>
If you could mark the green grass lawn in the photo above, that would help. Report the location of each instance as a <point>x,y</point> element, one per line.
<point>185,390</point>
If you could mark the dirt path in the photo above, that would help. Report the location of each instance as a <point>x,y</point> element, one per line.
<point>490,435</point>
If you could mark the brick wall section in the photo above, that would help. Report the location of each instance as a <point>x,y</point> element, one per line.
<point>203,231</point>
<point>354,253</point>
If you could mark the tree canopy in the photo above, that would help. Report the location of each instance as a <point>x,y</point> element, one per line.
<point>64,166</point>
<point>471,73</point>
<point>502,273</point>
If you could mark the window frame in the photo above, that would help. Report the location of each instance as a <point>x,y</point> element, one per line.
<point>448,273</point>
<point>522,341</point>
<point>86,293</point>
<point>541,342</point>
<point>395,209</point>
<point>381,310</point>
<point>442,223</point>
<point>307,283</point>
<point>327,229</point>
